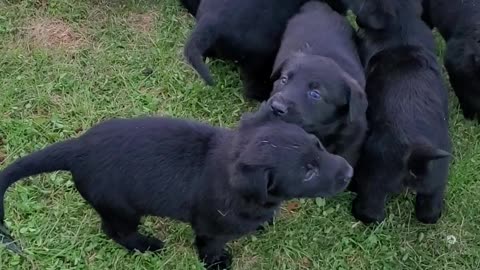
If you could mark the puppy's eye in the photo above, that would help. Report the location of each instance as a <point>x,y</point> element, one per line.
<point>311,173</point>
<point>315,94</point>
<point>284,80</point>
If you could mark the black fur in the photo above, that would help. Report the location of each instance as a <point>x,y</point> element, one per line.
<point>373,14</point>
<point>408,143</point>
<point>320,80</point>
<point>224,183</point>
<point>191,5</point>
<point>398,25</point>
<point>459,23</point>
<point>245,31</point>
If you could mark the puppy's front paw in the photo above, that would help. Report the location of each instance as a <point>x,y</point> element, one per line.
<point>428,208</point>
<point>365,215</point>
<point>218,262</point>
<point>428,218</point>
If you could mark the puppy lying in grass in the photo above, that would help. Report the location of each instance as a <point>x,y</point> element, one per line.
<point>319,80</point>
<point>225,183</point>
<point>245,31</point>
<point>408,143</point>
<point>459,23</point>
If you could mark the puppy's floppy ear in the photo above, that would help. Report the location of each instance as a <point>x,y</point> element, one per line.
<point>281,63</point>
<point>277,69</point>
<point>420,155</point>
<point>251,181</point>
<point>357,99</point>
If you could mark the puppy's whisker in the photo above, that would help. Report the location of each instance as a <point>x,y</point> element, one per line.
<point>269,143</point>
<point>222,213</point>
<point>293,146</point>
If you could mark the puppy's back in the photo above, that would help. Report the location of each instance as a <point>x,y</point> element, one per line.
<point>407,96</point>
<point>451,16</point>
<point>165,155</point>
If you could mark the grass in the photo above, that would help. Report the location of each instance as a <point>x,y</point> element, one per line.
<point>68,65</point>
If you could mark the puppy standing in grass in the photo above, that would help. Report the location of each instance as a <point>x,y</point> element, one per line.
<point>225,183</point>
<point>245,31</point>
<point>319,80</point>
<point>459,23</point>
<point>408,143</point>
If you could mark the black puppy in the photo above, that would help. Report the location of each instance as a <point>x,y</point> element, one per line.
<point>385,24</point>
<point>224,183</point>
<point>459,23</point>
<point>245,31</point>
<point>320,80</point>
<point>408,141</point>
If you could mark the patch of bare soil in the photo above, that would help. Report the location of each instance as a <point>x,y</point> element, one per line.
<point>53,33</point>
<point>143,22</point>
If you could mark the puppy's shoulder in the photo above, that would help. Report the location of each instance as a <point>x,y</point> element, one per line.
<point>400,59</point>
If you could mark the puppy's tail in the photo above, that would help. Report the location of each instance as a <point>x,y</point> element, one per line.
<point>201,39</point>
<point>53,158</point>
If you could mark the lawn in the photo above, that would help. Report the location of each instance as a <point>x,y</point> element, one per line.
<point>68,65</point>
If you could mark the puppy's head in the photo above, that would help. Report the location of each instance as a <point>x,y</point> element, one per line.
<point>275,161</point>
<point>314,92</point>
<point>373,14</point>
<point>381,14</point>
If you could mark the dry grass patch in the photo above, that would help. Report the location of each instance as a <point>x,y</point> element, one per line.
<point>142,22</point>
<point>53,34</point>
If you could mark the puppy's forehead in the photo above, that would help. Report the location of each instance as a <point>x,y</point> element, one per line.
<point>283,135</point>
<point>317,68</point>
<point>315,61</point>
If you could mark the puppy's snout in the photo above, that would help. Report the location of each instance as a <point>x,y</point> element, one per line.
<point>278,108</point>
<point>345,174</point>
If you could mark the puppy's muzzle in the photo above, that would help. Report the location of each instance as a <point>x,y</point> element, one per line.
<point>278,107</point>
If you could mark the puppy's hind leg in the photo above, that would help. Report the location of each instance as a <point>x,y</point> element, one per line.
<point>256,83</point>
<point>124,230</point>
<point>468,111</point>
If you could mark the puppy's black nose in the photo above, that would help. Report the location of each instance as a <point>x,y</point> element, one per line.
<point>278,108</point>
